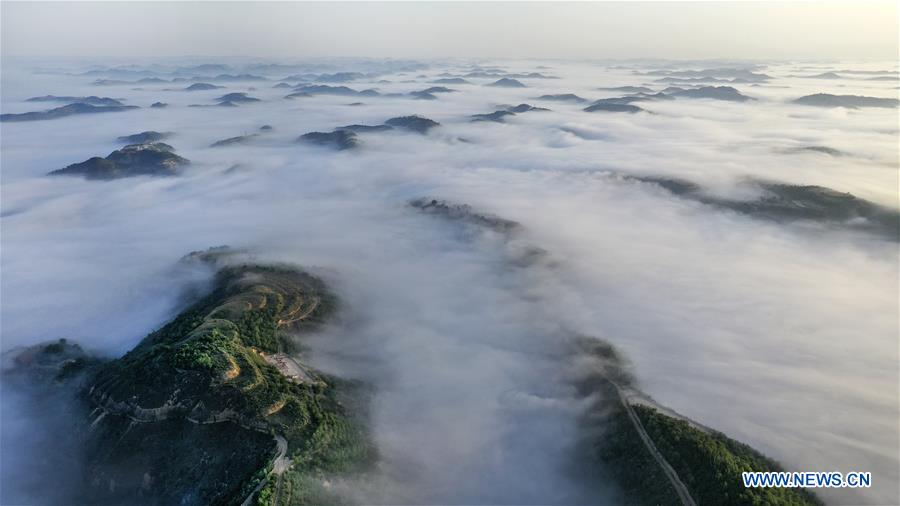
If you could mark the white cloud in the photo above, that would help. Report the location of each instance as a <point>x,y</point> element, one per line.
<point>781,336</point>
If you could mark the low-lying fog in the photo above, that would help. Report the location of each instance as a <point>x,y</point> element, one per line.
<point>781,336</point>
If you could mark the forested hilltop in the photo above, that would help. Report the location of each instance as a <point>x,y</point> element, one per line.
<point>212,408</point>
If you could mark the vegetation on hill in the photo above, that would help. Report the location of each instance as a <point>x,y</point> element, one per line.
<point>66,110</point>
<point>613,448</point>
<point>210,374</point>
<point>148,159</point>
<point>710,464</point>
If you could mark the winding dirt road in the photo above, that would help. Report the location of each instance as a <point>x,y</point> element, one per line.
<point>279,466</point>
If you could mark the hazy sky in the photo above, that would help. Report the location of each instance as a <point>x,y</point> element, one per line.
<point>552,29</point>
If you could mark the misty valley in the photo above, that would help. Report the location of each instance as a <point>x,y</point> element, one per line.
<point>244,281</point>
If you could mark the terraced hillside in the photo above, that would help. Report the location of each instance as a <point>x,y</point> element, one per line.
<point>198,414</point>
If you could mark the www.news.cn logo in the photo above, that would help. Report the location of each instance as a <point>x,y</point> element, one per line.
<point>833,479</point>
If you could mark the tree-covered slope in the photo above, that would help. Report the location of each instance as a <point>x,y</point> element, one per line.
<point>710,464</point>
<point>202,407</point>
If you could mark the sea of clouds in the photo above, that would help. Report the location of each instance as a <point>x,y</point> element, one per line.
<point>782,336</point>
